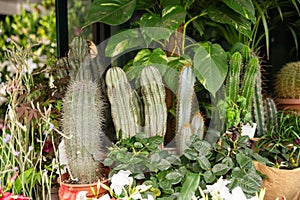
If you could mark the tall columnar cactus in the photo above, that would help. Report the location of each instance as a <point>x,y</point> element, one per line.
<point>185,95</point>
<point>127,108</point>
<point>233,80</point>
<point>258,106</point>
<point>125,103</point>
<point>183,138</point>
<point>287,83</point>
<point>270,113</point>
<point>82,108</point>
<point>247,88</point>
<point>154,99</point>
<point>198,125</point>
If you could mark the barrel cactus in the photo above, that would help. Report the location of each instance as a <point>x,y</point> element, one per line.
<point>287,83</point>
<point>82,119</point>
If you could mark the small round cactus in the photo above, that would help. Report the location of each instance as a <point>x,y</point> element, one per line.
<point>287,84</point>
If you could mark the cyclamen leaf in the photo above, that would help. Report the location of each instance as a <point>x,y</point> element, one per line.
<point>204,163</point>
<point>220,169</point>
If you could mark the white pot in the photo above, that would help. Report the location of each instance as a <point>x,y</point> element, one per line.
<point>249,129</point>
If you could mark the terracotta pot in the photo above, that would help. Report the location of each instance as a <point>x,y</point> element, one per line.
<point>69,191</point>
<point>280,182</point>
<point>289,104</point>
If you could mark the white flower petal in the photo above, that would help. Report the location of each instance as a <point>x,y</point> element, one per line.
<point>105,197</point>
<point>81,195</point>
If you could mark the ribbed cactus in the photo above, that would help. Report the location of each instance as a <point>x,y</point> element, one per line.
<point>125,109</point>
<point>270,113</point>
<point>82,118</point>
<point>128,112</point>
<point>233,80</point>
<point>258,106</point>
<point>183,138</point>
<point>247,88</point>
<point>154,99</point>
<point>198,125</point>
<point>185,95</point>
<point>287,83</point>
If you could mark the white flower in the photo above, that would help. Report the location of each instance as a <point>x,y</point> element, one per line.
<point>119,180</point>
<point>219,189</point>
<point>81,195</point>
<point>105,197</point>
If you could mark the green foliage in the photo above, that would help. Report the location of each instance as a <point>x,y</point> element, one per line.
<point>281,143</point>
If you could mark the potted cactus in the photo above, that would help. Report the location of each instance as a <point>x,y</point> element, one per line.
<point>287,87</point>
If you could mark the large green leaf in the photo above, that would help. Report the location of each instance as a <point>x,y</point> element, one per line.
<point>111,12</point>
<point>204,163</point>
<point>189,186</point>
<point>220,169</point>
<point>243,7</point>
<point>224,15</point>
<point>123,41</point>
<point>210,66</point>
<point>174,177</point>
<point>144,4</point>
<point>244,161</point>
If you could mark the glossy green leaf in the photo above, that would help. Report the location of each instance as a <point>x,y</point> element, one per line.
<point>123,41</point>
<point>244,161</point>
<point>173,16</point>
<point>144,4</point>
<point>243,7</point>
<point>209,177</point>
<point>224,15</point>
<point>111,12</point>
<point>189,186</point>
<point>166,3</point>
<point>210,66</point>
<point>220,169</point>
<point>228,161</point>
<point>174,177</point>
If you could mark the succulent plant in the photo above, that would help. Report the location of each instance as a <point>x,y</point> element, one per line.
<point>82,111</point>
<point>287,82</point>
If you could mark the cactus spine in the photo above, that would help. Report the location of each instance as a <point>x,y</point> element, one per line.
<point>184,137</point>
<point>233,81</point>
<point>271,112</point>
<point>198,125</point>
<point>154,97</point>
<point>81,122</point>
<point>124,103</point>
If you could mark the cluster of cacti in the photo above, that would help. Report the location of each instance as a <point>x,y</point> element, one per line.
<point>128,114</point>
<point>270,113</point>
<point>185,99</point>
<point>82,108</point>
<point>241,76</point>
<point>287,83</point>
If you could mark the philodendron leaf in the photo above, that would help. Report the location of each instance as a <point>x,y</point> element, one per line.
<point>220,169</point>
<point>173,16</point>
<point>189,186</point>
<point>210,66</point>
<point>224,15</point>
<point>111,12</point>
<point>123,41</point>
<point>243,7</point>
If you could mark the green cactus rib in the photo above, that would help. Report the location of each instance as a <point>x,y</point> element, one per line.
<point>124,109</point>
<point>287,83</point>
<point>258,108</point>
<point>246,53</point>
<point>82,119</point>
<point>198,125</point>
<point>233,80</point>
<point>183,138</point>
<point>154,98</point>
<point>270,112</point>
<point>185,94</point>
<point>247,88</point>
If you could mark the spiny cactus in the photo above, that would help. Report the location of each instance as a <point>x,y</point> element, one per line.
<point>233,80</point>
<point>270,112</point>
<point>249,80</point>
<point>287,83</point>
<point>185,95</point>
<point>258,106</point>
<point>82,119</point>
<point>154,98</point>
<point>183,138</point>
<point>124,102</point>
<point>198,125</point>
<point>127,108</point>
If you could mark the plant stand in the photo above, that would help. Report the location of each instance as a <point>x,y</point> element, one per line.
<point>289,104</point>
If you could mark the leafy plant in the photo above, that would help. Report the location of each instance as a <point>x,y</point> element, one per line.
<point>281,143</point>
